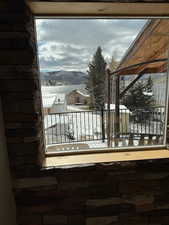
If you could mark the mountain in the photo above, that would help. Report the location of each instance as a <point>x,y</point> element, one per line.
<point>63,77</point>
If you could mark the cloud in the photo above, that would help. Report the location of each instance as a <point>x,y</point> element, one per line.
<point>69,44</point>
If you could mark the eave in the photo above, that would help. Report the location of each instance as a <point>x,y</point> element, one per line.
<point>151,44</point>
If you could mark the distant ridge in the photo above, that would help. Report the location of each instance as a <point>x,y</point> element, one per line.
<point>64,77</point>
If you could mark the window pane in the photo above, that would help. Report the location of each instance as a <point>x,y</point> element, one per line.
<point>86,104</point>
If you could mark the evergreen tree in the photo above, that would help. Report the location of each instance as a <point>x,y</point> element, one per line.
<point>149,85</point>
<point>96,80</point>
<point>113,64</point>
<point>138,98</point>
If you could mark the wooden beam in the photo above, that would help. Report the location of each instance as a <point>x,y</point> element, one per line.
<point>118,71</point>
<point>136,71</point>
<point>98,8</point>
<point>132,83</point>
<point>151,43</point>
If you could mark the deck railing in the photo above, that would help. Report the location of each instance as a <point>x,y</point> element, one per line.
<point>83,126</point>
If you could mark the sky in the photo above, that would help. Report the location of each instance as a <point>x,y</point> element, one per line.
<point>69,44</point>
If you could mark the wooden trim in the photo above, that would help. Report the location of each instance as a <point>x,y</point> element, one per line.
<point>105,158</point>
<point>115,9</point>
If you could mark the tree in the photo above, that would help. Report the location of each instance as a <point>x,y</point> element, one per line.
<point>139,97</point>
<point>112,66</point>
<point>96,80</point>
<point>149,85</point>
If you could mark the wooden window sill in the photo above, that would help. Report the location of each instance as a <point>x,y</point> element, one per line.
<point>69,160</point>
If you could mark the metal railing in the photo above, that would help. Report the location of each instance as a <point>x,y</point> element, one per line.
<point>84,126</point>
<point>70,127</point>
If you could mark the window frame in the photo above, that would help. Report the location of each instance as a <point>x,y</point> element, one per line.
<point>118,149</point>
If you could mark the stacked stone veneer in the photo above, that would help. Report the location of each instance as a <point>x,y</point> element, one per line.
<point>133,193</point>
<point>20,87</point>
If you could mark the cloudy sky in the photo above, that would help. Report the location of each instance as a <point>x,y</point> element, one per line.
<point>69,44</point>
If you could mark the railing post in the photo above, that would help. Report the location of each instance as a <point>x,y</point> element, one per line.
<point>109,125</point>
<point>141,142</point>
<point>117,110</point>
<point>150,139</point>
<point>102,124</point>
<point>131,140</point>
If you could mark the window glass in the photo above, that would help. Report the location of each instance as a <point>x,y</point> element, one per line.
<point>86,104</point>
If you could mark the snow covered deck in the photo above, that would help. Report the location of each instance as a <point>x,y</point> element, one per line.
<point>75,129</point>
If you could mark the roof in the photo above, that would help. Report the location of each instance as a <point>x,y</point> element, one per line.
<point>150,44</point>
<point>82,92</point>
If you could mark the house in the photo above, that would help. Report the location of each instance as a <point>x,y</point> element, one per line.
<point>101,188</point>
<point>78,97</point>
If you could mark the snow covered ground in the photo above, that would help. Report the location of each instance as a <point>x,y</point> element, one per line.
<point>82,126</point>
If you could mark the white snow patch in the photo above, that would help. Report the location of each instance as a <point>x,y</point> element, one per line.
<point>148,93</point>
<point>48,100</point>
<point>122,107</point>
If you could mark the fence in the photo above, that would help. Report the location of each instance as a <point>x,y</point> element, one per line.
<point>84,126</point>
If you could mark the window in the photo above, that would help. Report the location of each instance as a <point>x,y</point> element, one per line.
<point>126,105</point>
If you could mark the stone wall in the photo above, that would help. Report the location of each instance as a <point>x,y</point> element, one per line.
<point>131,193</point>
<point>20,87</point>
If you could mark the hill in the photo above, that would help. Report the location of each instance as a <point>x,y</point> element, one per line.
<point>63,77</point>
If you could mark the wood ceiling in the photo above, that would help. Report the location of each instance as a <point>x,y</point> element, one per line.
<point>151,44</point>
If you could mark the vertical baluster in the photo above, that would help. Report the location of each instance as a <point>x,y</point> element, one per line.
<point>72,125</point>
<point>84,119</point>
<point>141,142</point>
<point>69,130</point>
<point>157,139</point>
<point>46,131</point>
<point>150,140</point>
<point>96,125</point>
<point>157,122</point>
<point>80,118</point>
<point>77,127</point>
<point>60,127</point>
<point>51,130</point>
<point>64,127</point>
<point>153,123</point>
<point>145,124</point>
<point>130,140</point>
<point>88,125</point>
<point>92,127</point>
<point>149,123</point>
<point>141,123</point>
